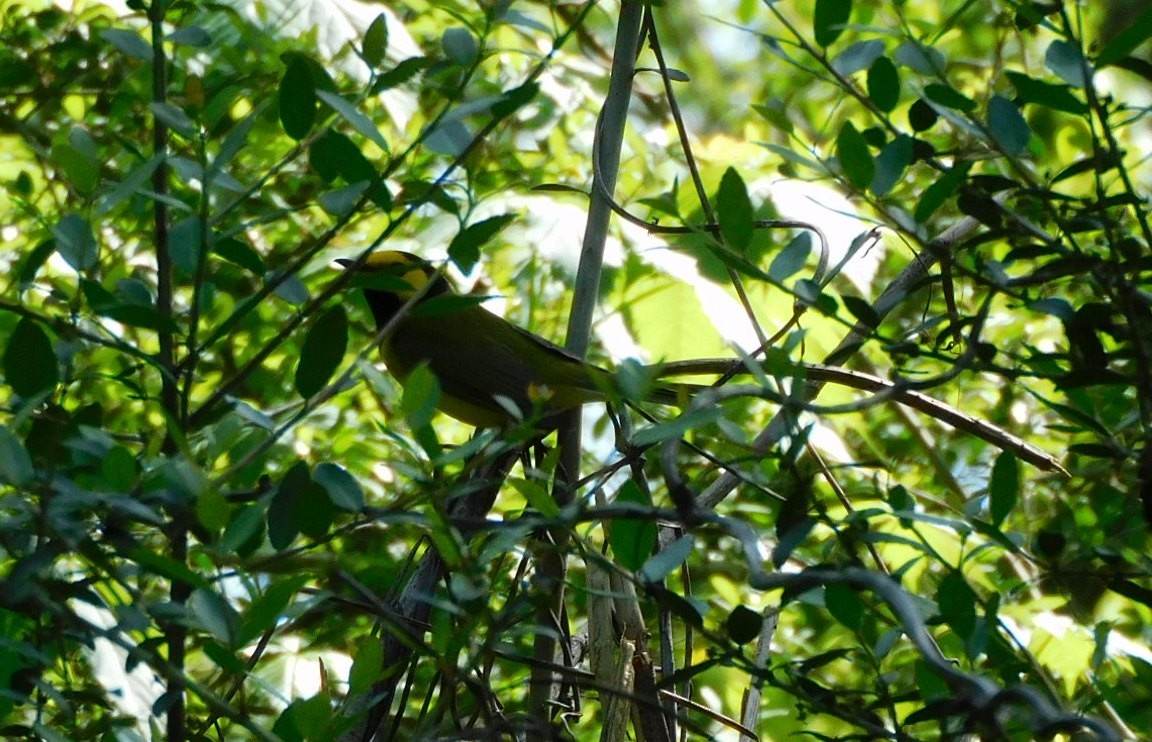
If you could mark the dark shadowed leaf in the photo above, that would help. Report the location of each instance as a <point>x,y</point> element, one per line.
<point>845,605</point>
<point>322,352</point>
<point>829,20</point>
<point>297,99</point>
<point>30,364</point>
<point>743,624</point>
<point>1004,487</point>
<point>855,159</point>
<point>884,84</point>
<point>376,41</point>
<point>465,247</point>
<point>343,489</point>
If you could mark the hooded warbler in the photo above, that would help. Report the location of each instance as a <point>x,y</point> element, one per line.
<point>491,372</point>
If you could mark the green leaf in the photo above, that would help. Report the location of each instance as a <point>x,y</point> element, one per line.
<point>464,249</point>
<point>734,211</point>
<point>166,567</point>
<point>76,242</point>
<point>1007,127</point>
<point>138,180</point>
<point>537,497</point>
<point>128,42</point>
<point>174,118</point>
<point>358,120</point>
<point>775,113</point>
<point>1125,42</point>
<point>450,137</point>
<point>421,397</point>
<point>297,97</point>
<point>949,97</point>
<point>899,499</point>
<point>891,163</point>
<point>792,258</point>
<point>81,170</point>
<point>845,605</point>
<point>632,539</point>
<point>860,309</point>
<point>676,427</point>
<point>212,510</point>
<point>935,194</point>
<point>1066,61</point>
<point>245,533</point>
<point>957,603</point>
<point>342,488</point>
<point>922,116</point>
<point>513,99</point>
<point>858,56</point>
<point>1004,487</point>
<point>15,463</point>
<point>1056,97</point>
<point>829,20</point>
<point>105,304</point>
<point>30,363</point>
<point>241,254</point>
<point>743,624</point>
<point>926,60</point>
<point>267,610</point>
<point>855,159</point>
<point>367,665</point>
<point>322,352</point>
<point>119,469</point>
<point>667,559</point>
<point>342,201</point>
<point>460,46</point>
<point>211,613</point>
<point>283,525</point>
<point>195,36</point>
<point>376,41</point>
<point>884,84</point>
<point>401,73</point>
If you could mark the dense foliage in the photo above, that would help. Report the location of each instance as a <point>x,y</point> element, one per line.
<point>220,520</point>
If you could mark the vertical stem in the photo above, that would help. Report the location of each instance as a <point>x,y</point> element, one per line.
<point>174,633</point>
<point>550,555</point>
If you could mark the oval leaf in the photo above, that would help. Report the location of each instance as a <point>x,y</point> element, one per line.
<point>829,19</point>
<point>376,41</point>
<point>1004,487</point>
<point>734,210</point>
<point>855,159</point>
<point>322,352</point>
<point>297,99</point>
<point>465,247</point>
<point>1007,126</point>
<point>30,364</point>
<point>884,84</point>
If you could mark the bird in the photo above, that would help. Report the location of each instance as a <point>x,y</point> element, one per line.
<point>492,373</point>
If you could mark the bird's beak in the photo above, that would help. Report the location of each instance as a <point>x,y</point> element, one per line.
<point>345,262</point>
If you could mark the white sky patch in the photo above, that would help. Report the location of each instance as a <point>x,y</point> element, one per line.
<point>132,693</point>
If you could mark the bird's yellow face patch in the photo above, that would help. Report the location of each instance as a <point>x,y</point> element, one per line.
<point>398,272</point>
